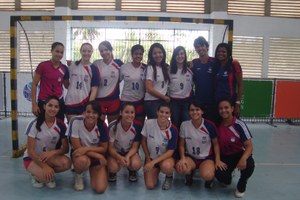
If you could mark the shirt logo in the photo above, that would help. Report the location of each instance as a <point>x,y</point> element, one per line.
<point>113,74</point>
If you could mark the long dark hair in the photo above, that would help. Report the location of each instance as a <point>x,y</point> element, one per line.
<point>173,63</point>
<point>229,57</point>
<point>163,64</point>
<point>123,106</point>
<point>86,43</point>
<point>41,117</point>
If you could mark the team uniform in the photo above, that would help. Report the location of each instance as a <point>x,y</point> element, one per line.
<point>159,141</point>
<point>91,138</point>
<point>122,139</point>
<point>198,141</point>
<point>226,82</point>
<point>203,78</point>
<point>134,86</point>
<point>82,79</point>
<point>180,92</point>
<point>108,92</point>
<point>160,85</point>
<point>51,83</point>
<point>45,140</point>
<point>231,139</point>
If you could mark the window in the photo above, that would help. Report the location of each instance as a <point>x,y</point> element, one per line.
<point>96,5</point>
<point>282,8</point>
<point>40,46</point>
<point>249,52</point>
<point>37,4</point>
<point>187,6</point>
<point>7,5</point>
<point>246,7</point>
<point>4,51</point>
<point>284,58</point>
<point>138,5</point>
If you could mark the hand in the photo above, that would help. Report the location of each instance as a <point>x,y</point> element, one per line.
<point>148,166</point>
<point>48,173</point>
<point>182,164</point>
<point>45,156</point>
<point>35,109</point>
<point>79,151</point>
<point>127,158</point>
<point>122,161</point>
<point>237,110</point>
<point>102,160</point>
<point>242,164</point>
<point>220,165</point>
<point>167,99</point>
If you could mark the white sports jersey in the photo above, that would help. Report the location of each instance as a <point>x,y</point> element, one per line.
<point>109,78</point>
<point>160,84</point>
<point>48,138</point>
<point>82,79</point>
<point>122,139</point>
<point>198,141</point>
<point>134,85</point>
<point>93,138</point>
<point>181,84</point>
<point>159,141</point>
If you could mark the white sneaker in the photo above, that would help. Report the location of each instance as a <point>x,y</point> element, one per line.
<point>35,183</point>
<point>78,183</point>
<point>51,184</point>
<point>167,183</point>
<point>239,194</point>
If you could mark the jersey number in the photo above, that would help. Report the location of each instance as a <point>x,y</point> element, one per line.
<point>181,86</point>
<point>162,84</point>
<point>105,82</point>
<point>79,85</point>
<point>196,150</point>
<point>157,150</point>
<point>135,86</point>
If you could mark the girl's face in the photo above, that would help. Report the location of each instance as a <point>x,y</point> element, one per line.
<point>180,57</point>
<point>163,114</point>
<point>202,50</point>
<point>51,108</point>
<point>128,114</point>
<point>86,52</point>
<point>225,109</point>
<point>222,54</point>
<point>157,55</point>
<point>57,53</point>
<point>195,112</point>
<point>91,116</point>
<point>137,56</point>
<point>105,53</point>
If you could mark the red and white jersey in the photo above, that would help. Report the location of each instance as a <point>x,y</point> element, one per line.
<point>92,138</point>
<point>82,79</point>
<point>181,84</point>
<point>109,78</point>
<point>159,141</point>
<point>123,139</point>
<point>48,138</point>
<point>134,85</point>
<point>198,141</point>
<point>159,85</point>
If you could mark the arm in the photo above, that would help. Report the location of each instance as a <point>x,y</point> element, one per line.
<point>93,93</point>
<point>168,154</point>
<point>239,79</point>
<point>134,149</point>
<point>145,148</point>
<point>182,162</point>
<point>242,164</point>
<point>219,164</point>
<point>35,81</point>
<point>150,89</point>
<point>66,83</point>
<point>113,153</point>
<point>61,151</point>
<point>82,150</point>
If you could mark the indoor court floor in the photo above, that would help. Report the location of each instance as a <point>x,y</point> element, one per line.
<point>276,176</point>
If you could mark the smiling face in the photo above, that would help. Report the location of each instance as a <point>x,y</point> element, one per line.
<point>163,114</point>
<point>202,50</point>
<point>86,52</point>
<point>157,55</point>
<point>105,53</point>
<point>90,116</point>
<point>51,108</point>
<point>57,53</point>
<point>225,110</point>
<point>137,56</point>
<point>222,54</point>
<point>128,114</point>
<point>195,112</point>
<point>180,58</point>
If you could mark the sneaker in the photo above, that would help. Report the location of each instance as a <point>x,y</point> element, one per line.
<point>112,177</point>
<point>209,184</point>
<point>189,179</point>
<point>35,183</point>
<point>132,176</point>
<point>167,183</point>
<point>239,194</point>
<point>51,184</point>
<point>78,183</point>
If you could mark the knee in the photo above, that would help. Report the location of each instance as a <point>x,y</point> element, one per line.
<point>100,189</point>
<point>66,163</point>
<point>136,165</point>
<point>207,175</point>
<point>81,162</point>
<point>150,186</point>
<point>167,167</point>
<point>113,166</point>
<point>223,177</point>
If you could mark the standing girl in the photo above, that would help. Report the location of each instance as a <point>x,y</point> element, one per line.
<point>180,89</point>
<point>157,80</point>
<point>159,143</point>
<point>89,139</point>
<point>108,91</point>
<point>51,75</point>
<point>46,146</point>
<point>84,82</point>
<point>134,87</point>
<point>236,148</point>
<point>125,136</point>
<point>198,147</point>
